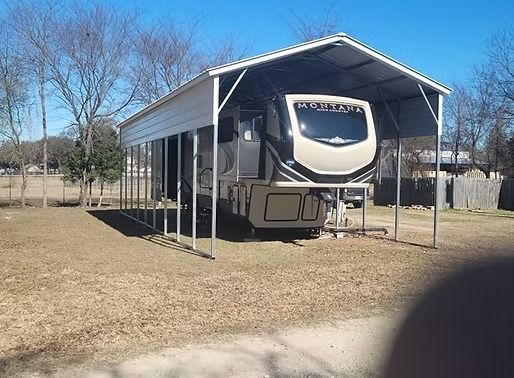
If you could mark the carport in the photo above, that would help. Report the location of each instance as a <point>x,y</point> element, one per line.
<point>406,104</point>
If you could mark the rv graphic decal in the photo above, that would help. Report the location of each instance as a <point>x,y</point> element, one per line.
<point>329,107</point>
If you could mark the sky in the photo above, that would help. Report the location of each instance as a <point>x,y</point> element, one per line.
<point>442,39</point>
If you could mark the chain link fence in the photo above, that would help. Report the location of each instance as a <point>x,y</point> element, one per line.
<point>60,192</point>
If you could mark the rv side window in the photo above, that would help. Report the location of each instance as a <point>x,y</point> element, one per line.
<point>251,129</point>
<point>226,130</point>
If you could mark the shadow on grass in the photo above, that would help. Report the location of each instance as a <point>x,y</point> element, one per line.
<point>37,361</point>
<point>266,363</point>
<point>227,229</point>
<point>414,244</point>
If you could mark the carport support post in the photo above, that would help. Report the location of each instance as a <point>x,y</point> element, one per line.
<point>138,177</point>
<point>154,183</point>
<point>195,189</point>
<point>215,112</point>
<point>121,182</point>
<point>165,227</point>
<point>398,167</point>
<point>126,180</point>
<point>146,182</point>
<point>364,208</point>
<point>439,122</point>
<point>132,181</point>
<point>398,187</point>
<point>179,182</point>
<point>338,208</point>
<point>437,169</point>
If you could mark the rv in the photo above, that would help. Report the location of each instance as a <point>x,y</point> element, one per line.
<point>277,161</point>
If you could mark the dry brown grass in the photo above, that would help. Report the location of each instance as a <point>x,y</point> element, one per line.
<point>75,290</point>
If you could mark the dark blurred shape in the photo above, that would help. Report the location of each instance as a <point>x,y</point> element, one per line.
<point>463,327</point>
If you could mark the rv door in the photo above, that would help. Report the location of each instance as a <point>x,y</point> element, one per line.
<point>250,135</point>
<point>228,144</point>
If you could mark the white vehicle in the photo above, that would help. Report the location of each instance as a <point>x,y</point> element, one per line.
<point>277,161</point>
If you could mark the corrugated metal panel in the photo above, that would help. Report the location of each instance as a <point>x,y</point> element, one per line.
<point>416,119</point>
<point>413,116</point>
<point>334,65</point>
<point>189,110</point>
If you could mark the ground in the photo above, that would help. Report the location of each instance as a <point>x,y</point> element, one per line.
<point>88,288</point>
<point>347,348</point>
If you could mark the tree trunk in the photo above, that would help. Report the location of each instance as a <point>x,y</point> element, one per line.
<point>10,185</point>
<point>101,194</point>
<point>23,183</point>
<point>90,193</point>
<point>42,95</point>
<point>83,189</point>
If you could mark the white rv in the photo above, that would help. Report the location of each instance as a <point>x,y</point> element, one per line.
<point>277,160</point>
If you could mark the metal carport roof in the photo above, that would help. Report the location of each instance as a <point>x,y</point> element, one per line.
<point>406,102</point>
<point>337,64</point>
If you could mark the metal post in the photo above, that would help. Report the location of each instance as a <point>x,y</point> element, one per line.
<point>379,173</point>
<point>439,122</point>
<point>215,98</point>
<point>179,182</point>
<point>398,166</point>
<point>126,180</point>
<point>146,182</point>
<point>138,178</point>
<point>364,208</point>
<point>121,181</point>
<point>437,169</point>
<point>166,186</point>
<point>195,184</point>
<point>398,187</point>
<point>132,180</point>
<point>338,208</point>
<point>154,183</point>
<point>10,185</point>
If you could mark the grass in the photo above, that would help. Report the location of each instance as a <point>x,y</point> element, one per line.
<point>87,288</point>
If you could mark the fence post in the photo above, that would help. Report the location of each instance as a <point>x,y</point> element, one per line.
<point>10,186</point>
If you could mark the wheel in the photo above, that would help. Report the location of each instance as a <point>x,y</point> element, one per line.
<point>357,204</point>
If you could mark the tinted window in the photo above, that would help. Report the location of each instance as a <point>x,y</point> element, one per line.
<point>226,130</point>
<point>251,129</point>
<point>331,123</point>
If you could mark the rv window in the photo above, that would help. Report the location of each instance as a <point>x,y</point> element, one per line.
<point>226,130</point>
<point>331,123</point>
<point>251,129</point>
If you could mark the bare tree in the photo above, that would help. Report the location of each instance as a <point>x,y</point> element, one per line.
<point>482,103</point>
<point>167,56</point>
<point>88,62</point>
<point>34,21</point>
<point>496,146</point>
<point>165,59</point>
<point>309,27</point>
<point>501,55</point>
<point>224,51</point>
<point>414,154</point>
<point>457,117</point>
<point>14,99</point>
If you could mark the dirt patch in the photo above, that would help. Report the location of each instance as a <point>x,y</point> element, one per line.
<point>83,289</point>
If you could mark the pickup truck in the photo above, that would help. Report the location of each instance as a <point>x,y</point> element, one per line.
<point>355,196</point>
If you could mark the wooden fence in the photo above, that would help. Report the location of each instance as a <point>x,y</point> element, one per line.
<point>457,192</point>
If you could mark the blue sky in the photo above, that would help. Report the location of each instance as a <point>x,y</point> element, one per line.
<point>443,39</point>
